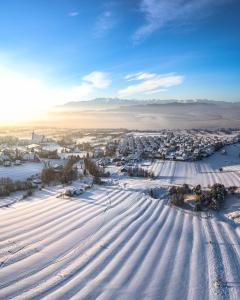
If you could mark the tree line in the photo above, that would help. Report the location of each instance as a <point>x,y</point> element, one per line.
<point>91,168</point>
<point>8,186</point>
<point>63,174</point>
<point>213,198</point>
<point>139,172</point>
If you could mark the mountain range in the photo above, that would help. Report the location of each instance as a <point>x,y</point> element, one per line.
<point>148,114</point>
<point>123,102</point>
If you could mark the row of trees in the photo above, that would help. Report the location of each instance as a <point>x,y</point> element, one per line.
<point>177,194</point>
<point>50,154</point>
<point>213,198</point>
<point>93,169</point>
<point>7,186</point>
<point>64,174</point>
<point>69,172</point>
<point>139,172</point>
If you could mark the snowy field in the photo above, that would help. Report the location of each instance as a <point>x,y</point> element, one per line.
<point>21,172</point>
<point>53,147</point>
<point>172,172</point>
<point>27,169</point>
<point>85,139</point>
<point>112,243</point>
<point>205,172</point>
<point>9,200</point>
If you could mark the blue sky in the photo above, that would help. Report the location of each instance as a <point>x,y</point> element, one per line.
<point>70,50</point>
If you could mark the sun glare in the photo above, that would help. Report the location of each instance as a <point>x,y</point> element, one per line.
<point>22,98</point>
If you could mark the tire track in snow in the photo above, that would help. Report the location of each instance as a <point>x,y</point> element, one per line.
<point>230,261</point>
<point>198,283</point>
<point>217,277</point>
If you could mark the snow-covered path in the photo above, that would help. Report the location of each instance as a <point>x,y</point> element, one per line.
<point>113,243</point>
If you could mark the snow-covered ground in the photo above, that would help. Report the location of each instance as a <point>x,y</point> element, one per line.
<point>114,243</point>
<point>65,155</point>
<point>205,172</point>
<point>85,139</point>
<point>21,172</point>
<point>193,173</point>
<point>53,147</point>
<point>9,200</point>
<point>232,207</point>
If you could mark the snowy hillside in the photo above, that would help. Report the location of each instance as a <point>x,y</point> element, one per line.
<point>113,243</point>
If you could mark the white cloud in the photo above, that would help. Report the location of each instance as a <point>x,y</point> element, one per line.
<point>98,79</point>
<point>139,76</point>
<point>158,13</point>
<point>91,83</point>
<point>151,85</point>
<point>73,14</point>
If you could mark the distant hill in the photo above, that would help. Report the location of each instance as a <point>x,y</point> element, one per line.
<point>101,102</point>
<point>148,114</point>
<point>123,102</point>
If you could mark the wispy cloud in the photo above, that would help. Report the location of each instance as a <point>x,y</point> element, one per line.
<point>159,13</point>
<point>105,22</point>
<point>91,83</point>
<point>139,76</point>
<point>150,83</point>
<point>73,13</point>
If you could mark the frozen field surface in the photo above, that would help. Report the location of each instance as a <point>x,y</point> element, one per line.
<point>26,170</point>
<point>205,172</point>
<point>113,243</point>
<point>21,172</point>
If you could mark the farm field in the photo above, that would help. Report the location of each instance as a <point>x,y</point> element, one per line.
<point>21,172</point>
<point>113,243</point>
<point>205,172</point>
<point>193,173</point>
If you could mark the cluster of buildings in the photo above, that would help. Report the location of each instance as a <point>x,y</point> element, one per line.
<point>175,145</point>
<point>10,157</point>
<point>38,138</point>
<point>130,148</point>
<point>17,151</point>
